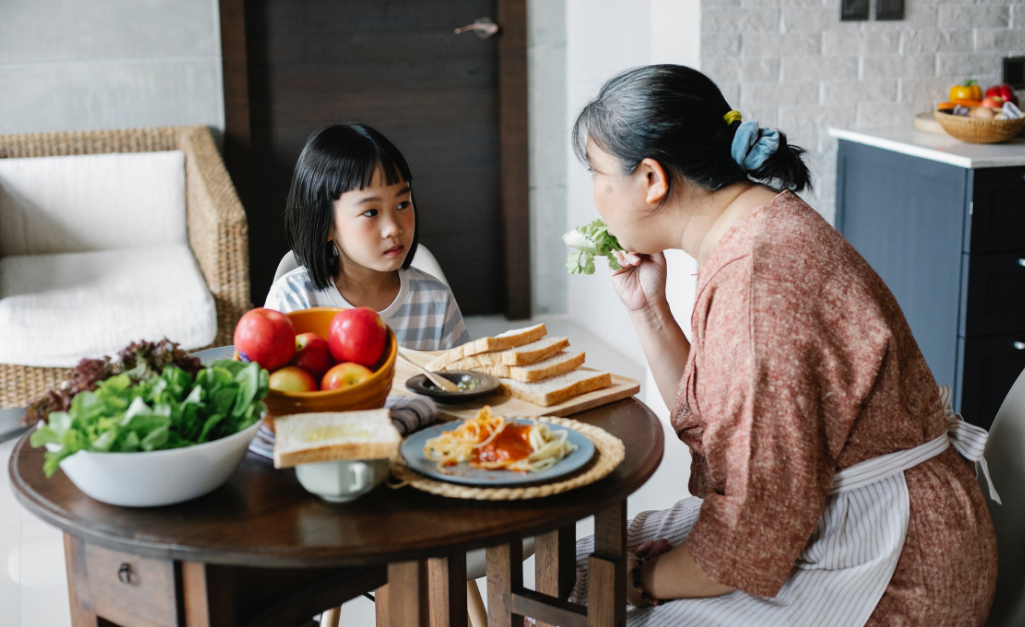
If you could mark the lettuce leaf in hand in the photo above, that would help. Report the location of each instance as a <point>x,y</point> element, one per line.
<point>585,243</point>
<point>140,410</point>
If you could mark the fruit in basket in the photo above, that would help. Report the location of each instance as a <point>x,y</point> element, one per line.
<point>983,113</point>
<point>292,379</point>
<point>357,335</point>
<point>968,93</point>
<point>266,337</point>
<point>1004,91</point>
<point>992,102</point>
<point>312,354</point>
<point>345,375</point>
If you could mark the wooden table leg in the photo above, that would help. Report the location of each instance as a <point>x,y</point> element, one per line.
<point>82,614</point>
<point>606,588</point>
<point>505,576</point>
<point>381,606</point>
<point>408,594</point>
<point>555,563</point>
<point>207,597</point>
<point>447,590</point>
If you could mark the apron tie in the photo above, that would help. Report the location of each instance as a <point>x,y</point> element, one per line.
<point>968,440</point>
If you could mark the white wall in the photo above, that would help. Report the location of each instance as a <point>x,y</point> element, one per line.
<point>105,64</point>
<point>646,31</point>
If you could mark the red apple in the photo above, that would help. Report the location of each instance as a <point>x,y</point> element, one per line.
<point>312,354</point>
<point>266,337</point>
<point>993,102</point>
<point>345,375</point>
<point>357,335</point>
<point>292,379</point>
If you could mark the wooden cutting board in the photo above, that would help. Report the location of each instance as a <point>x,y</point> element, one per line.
<point>622,387</point>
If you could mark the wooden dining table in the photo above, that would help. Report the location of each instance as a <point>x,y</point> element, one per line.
<point>261,551</point>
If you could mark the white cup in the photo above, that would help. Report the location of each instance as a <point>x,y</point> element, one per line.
<point>342,480</point>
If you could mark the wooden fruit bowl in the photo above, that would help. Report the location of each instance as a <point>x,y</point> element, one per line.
<point>978,131</point>
<point>370,394</point>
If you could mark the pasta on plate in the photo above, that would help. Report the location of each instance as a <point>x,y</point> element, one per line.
<point>492,442</point>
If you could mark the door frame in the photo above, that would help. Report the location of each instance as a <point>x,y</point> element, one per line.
<point>512,127</point>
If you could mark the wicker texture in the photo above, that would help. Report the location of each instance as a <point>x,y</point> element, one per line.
<point>215,220</point>
<point>609,453</point>
<point>979,131</point>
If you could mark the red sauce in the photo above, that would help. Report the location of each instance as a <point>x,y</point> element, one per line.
<point>512,444</point>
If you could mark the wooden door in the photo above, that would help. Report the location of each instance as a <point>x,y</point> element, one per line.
<point>455,105</point>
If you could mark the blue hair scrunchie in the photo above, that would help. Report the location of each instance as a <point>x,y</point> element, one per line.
<point>752,145</point>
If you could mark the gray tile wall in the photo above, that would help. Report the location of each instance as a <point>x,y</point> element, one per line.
<point>793,64</point>
<point>101,64</point>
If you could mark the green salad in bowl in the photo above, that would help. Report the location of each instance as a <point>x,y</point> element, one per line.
<point>151,427</point>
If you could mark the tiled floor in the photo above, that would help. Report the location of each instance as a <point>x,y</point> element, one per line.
<point>33,590</point>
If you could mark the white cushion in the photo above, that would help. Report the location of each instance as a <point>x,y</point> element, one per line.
<point>91,202</point>
<point>57,309</point>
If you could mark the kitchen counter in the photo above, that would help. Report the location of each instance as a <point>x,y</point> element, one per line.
<point>940,148</point>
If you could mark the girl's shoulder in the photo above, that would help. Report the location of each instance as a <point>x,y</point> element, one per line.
<point>295,290</point>
<point>420,281</point>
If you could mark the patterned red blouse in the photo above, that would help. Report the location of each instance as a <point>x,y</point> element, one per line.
<point>801,365</point>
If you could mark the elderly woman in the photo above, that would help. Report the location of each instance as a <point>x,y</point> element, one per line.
<point>826,490</point>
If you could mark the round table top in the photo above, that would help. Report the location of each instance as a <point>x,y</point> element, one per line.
<point>264,517</point>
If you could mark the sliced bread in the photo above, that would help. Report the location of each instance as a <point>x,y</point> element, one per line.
<point>509,339</point>
<point>545,369</point>
<point>328,436</point>
<point>558,389</point>
<point>519,356</point>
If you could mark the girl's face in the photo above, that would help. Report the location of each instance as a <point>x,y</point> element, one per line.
<point>628,203</point>
<point>374,226</point>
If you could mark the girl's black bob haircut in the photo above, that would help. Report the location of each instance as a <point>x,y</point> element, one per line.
<point>335,160</point>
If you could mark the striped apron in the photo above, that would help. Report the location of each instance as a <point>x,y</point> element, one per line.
<point>843,572</point>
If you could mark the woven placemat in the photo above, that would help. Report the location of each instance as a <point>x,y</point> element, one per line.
<point>609,453</point>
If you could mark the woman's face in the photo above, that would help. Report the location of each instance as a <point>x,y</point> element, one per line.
<point>374,226</point>
<point>627,203</point>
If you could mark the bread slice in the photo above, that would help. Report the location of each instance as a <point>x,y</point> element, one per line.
<point>328,436</point>
<point>519,356</point>
<point>558,389</point>
<point>509,339</point>
<point>545,369</point>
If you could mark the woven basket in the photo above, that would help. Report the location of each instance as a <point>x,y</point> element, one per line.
<point>976,131</point>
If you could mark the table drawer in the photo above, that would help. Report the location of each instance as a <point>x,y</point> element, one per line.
<point>997,219</point>
<point>130,590</point>
<point>988,367</point>
<point>995,298</point>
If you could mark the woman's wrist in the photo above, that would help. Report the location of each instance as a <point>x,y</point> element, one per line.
<point>641,579</point>
<point>653,314</point>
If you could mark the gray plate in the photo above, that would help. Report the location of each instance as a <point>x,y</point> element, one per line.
<point>412,450</point>
<point>214,354</point>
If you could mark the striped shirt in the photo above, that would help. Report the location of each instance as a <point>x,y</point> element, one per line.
<point>424,314</point>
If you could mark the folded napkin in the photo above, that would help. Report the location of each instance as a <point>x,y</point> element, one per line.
<point>409,413</point>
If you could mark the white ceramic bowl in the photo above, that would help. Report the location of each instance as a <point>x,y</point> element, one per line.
<point>158,477</point>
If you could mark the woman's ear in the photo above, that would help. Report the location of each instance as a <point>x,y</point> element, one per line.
<point>656,180</point>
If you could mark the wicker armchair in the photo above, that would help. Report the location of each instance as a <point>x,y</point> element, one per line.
<point>215,223</point>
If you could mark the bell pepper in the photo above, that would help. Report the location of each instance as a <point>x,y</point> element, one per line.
<point>1004,91</point>
<point>968,93</point>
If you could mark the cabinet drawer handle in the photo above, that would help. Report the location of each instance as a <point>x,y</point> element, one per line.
<point>124,572</point>
<point>1019,346</point>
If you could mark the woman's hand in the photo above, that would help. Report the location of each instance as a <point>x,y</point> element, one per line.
<point>650,550</point>
<point>641,282</point>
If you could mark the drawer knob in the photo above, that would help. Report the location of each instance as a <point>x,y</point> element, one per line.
<point>124,572</point>
<point>1019,346</point>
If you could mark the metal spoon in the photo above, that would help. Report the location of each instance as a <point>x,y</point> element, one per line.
<point>437,380</point>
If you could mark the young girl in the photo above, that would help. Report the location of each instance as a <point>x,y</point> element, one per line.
<point>352,224</point>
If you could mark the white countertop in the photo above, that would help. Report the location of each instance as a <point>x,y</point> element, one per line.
<point>942,148</point>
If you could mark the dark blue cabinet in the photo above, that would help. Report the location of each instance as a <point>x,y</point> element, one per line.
<point>950,244</point>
